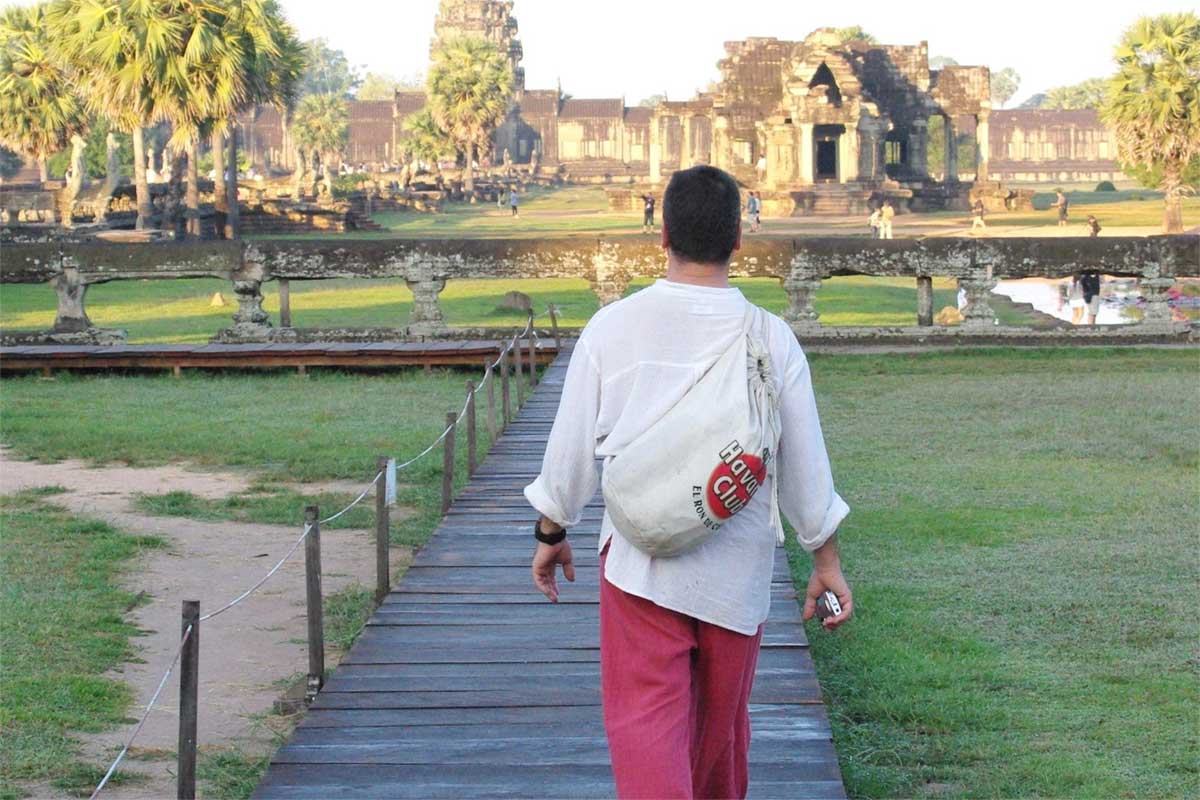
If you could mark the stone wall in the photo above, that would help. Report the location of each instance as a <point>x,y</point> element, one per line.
<point>609,266</point>
<point>1046,146</point>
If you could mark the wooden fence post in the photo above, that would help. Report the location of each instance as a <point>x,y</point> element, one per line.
<point>383,576</point>
<point>519,375</point>
<point>505,401</point>
<point>448,461</point>
<point>532,357</point>
<point>312,586</point>
<point>554,327</point>
<point>489,378</point>
<point>189,702</point>
<point>285,303</point>
<point>470,428</point>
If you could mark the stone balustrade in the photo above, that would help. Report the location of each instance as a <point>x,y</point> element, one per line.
<point>609,265</point>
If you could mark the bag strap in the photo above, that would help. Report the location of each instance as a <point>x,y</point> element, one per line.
<point>766,397</point>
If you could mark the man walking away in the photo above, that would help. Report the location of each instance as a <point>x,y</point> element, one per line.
<point>679,635</point>
<point>513,201</point>
<point>1061,203</point>
<point>885,220</point>
<point>1090,283</point>
<point>648,213</point>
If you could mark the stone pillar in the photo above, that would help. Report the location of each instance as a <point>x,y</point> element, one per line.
<point>848,164</point>
<point>806,153</point>
<point>978,313</point>
<point>721,145</point>
<point>426,318</point>
<point>982,147</point>
<point>608,282</point>
<point>951,165</point>
<point>685,149</point>
<point>924,300</point>
<point>1156,312</point>
<point>250,321</point>
<point>801,286</point>
<point>655,148</point>
<point>870,132</point>
<point>918,148</point>
<point>71,316</point>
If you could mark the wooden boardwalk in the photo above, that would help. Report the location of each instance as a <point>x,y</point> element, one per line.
<point>468,683</point>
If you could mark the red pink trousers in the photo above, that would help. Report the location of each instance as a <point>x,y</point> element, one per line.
<point>676,696</point>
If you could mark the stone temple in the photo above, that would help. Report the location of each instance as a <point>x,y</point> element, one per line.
<point>819,125</point>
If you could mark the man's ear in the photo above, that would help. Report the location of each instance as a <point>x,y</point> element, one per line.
<point>666,241</point>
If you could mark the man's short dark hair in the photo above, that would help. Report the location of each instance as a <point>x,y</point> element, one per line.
<point>702,210</point>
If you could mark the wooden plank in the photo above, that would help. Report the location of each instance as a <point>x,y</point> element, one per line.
<point>465,669</point>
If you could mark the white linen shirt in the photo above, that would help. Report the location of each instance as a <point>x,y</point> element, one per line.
<point>633,362</point>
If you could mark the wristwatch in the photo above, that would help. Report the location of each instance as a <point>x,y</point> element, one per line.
<point>547,538</point>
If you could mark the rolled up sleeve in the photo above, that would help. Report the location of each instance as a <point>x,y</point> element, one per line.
<point>568,479</point>
<point>806,494</point>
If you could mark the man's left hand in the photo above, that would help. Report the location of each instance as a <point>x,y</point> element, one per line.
<point>545,559</point>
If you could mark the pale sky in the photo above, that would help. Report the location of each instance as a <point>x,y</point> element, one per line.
<point>635,48</point>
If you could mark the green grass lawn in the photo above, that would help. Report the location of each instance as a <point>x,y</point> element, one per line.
<point>63,628</point>
<point>181,311</point>
<point>1022,543</point>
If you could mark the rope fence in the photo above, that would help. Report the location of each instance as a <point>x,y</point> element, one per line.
<point>383,485</point>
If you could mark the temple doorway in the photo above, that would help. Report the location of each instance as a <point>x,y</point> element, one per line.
<point>825,152</point>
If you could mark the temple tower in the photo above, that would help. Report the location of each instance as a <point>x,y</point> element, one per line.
<point>491,20</point>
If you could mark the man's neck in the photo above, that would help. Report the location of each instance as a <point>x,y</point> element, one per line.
<point>713,275</point>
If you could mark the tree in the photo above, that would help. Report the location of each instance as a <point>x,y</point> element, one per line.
<point>470,88</point>
<point>328,71</point>
<point>855,33</point>
<point>1034,101</point>
<point>425,141</point>
<point>1004,85</point>
<point>941,62</point>
<point>10,163</point>
<point>95,152</point>
<point>380,86</point>
<point>1086,94</point>
<point>40,113</point>
<point>321,127</point>
<point>1153,104</point>
<point>122,55</point>
<point>653,100</point>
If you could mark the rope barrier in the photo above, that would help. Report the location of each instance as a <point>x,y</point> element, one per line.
<point>512,342</point>
<point>145,715</point>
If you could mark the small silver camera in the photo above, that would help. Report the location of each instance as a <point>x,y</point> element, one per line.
<point>828,606</point>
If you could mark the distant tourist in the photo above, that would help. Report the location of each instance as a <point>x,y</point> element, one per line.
<point>1061,203</point>
<point>1089,282</point>
<point>885,220</point>
<point>754,211</point>
<point>874,221</point>
<point>1093,226</point>
<point>1075,300</point>
<point>977,220</point>
<point>514,201</point>
<point>761,168</point>
<point>648,213</point>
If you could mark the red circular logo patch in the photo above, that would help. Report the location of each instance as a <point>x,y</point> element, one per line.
<point>732,484</point>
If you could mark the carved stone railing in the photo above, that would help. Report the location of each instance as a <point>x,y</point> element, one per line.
<point>609,265</point>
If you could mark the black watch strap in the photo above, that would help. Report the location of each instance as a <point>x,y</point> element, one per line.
<point>547,538</point>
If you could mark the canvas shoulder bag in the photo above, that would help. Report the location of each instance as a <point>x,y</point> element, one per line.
<point>677,484</point>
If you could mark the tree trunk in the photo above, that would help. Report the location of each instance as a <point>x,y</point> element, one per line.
<point>233,225</point>
<point>220,201</point>
<point>75,175</point>
<point>1172,213</point>
<point>112,176</point>
<point>43,170</point>
<point>193,191</point>
<point>469,174</point>
<point>144,210</point>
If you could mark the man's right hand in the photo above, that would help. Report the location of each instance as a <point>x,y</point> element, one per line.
<point>827,576</point>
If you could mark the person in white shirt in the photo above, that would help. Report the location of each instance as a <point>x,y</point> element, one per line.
<point>679,636</point>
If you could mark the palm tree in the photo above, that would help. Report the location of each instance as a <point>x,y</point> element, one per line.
<point>1154,104</point>
<point>121,56</point>
<point>40,114</point>
<point>470,90</point>
<point>425,140</point>
<point>321,128</point>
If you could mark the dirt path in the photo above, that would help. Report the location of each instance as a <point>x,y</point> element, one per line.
<point>247,654</point>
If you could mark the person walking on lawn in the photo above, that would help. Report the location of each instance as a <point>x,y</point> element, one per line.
<point>679,635</point>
